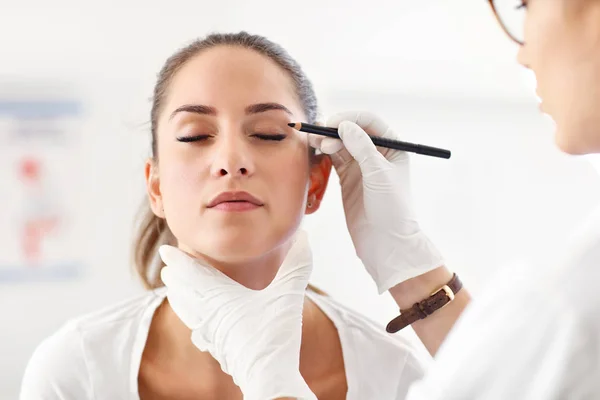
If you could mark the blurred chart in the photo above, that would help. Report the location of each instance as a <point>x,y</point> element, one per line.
<point>38,183</point>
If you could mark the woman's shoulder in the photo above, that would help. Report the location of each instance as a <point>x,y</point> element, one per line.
<point>123,313</point>
<point>368,342</point>
<point>86,348</point>
<point>357,323</point>
<point>57,368</point>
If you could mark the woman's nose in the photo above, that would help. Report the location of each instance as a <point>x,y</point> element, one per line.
<point>233,171</point>
<point>232,158</point>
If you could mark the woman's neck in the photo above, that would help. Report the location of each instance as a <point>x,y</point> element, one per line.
<point>255,273</point>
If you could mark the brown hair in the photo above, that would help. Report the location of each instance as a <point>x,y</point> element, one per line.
<point>153,231</point>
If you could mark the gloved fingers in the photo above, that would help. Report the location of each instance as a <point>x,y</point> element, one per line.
<point>186,271</point>
<point>294,273</point>
<point>201,342</point>
<point>373,126</point>
<point>331,145</point>
<point>173,280</point>
<point>362,149</point>
<point>369,122</point>
<point>334,148</point>
<point>315,140</point>
<point>187,305</point>
<point>326,145</point>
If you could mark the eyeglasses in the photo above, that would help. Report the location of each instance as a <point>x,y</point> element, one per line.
<point>511,16</point>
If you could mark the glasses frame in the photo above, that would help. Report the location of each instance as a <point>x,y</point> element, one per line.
<point>503,25</point>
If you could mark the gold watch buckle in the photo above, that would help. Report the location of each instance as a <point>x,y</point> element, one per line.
<point>449,293</point>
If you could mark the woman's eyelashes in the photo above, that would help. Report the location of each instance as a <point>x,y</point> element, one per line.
<point>195,138</point>
<point>261,136</point>
<point>270,136</point>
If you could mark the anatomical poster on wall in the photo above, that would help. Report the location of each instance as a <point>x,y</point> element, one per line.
<point>39,182</point>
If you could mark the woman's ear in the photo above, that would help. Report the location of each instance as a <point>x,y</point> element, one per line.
<point>320,171</point>
<point>153,188</point>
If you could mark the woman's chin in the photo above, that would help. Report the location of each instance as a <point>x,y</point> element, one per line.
<point>232,250</point>
<point>236,246</point>
<point>572,141</point>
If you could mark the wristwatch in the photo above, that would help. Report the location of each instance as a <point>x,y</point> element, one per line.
<point>421,310</point>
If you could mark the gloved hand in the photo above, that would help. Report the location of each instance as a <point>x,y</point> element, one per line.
<point>255,335</point>
<point>377,200</point>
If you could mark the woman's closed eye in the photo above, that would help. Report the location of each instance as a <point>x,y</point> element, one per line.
<point>193,138</point>
<point>270,136</point>
<point>261,136</point>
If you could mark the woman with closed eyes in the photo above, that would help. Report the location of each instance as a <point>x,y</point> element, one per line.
<point>228,185</point>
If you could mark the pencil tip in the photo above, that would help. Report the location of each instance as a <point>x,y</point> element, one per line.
<point>292,124</point>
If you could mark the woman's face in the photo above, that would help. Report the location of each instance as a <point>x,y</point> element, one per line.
<point>233,105</point>
<point>562,48</point>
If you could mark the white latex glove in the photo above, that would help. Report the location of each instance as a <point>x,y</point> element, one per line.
<point>377,200</point>
<point>255,335</point>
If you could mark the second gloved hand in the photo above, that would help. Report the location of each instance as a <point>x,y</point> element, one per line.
<point>377,200</point>
<point>255,335</point>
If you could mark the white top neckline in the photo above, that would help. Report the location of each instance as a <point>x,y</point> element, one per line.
<point>97,356</point>
<point>146,321</point>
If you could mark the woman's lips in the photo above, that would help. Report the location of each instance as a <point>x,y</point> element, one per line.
<point>235,206</point>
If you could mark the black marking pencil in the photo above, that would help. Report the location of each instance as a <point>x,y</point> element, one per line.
<point>378,141</point>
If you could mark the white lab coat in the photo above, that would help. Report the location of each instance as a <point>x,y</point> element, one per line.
<point>533,333</point>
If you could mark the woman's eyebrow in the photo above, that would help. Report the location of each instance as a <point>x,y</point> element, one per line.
<point>196,109</point>
<point>263,107</point>
<point>208,110</point>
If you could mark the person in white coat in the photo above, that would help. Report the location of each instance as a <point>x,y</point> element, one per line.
<point>534,333</point>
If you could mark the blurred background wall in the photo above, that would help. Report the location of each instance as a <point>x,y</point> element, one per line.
<point>75,83</point>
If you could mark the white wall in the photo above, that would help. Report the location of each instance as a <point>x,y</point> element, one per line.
<point>502,196</point>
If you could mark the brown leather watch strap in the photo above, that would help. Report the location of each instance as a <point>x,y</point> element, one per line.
<point>421,310</point>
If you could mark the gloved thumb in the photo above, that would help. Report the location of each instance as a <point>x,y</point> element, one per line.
<point>361,147</point>
<point>298,260</point>
<point>326,145</point>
